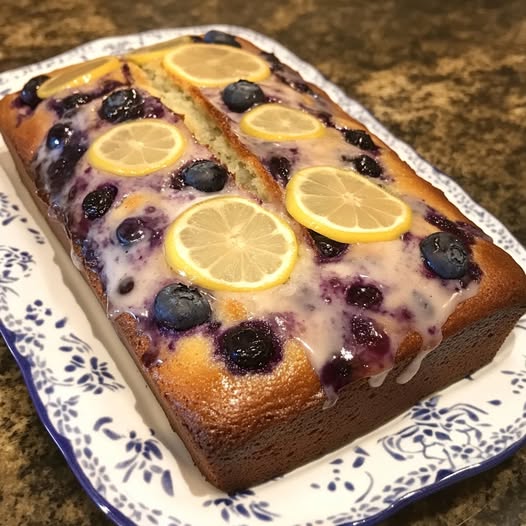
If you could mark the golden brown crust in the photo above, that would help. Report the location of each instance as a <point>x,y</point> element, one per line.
<point>25,132</point>
<point>242,430</point>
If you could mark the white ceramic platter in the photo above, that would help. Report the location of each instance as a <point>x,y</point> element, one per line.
<point>115,437</point>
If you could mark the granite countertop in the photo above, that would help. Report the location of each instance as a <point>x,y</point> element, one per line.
<point>447,77</point>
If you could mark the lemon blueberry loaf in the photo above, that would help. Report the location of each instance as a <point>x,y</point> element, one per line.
<point>282,279</point>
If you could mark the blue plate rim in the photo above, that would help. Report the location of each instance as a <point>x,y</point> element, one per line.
<point>121,520</point>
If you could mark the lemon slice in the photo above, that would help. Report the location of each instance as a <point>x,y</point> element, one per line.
<point>345,206</point>
<point>78,76</point>
<point>155,51</point>
<point>275,122</point>
<point>214,65</point>
<point>137,148</point>
<point>231,243</point>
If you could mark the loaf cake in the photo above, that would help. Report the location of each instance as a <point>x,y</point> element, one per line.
<point>282,279</point>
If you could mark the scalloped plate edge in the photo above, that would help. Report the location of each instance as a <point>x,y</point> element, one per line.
<point>63,444</point>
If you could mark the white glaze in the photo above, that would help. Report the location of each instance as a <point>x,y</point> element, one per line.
<point>412,369</point>
<point>378,379</point>
<point>308,307</point>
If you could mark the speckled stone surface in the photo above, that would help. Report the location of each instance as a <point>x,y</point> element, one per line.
<point>447,77</point>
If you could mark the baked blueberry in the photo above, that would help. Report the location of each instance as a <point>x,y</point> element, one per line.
<point>301,86</point>
<point>179,307</point>
<point>61,170</point>
<point>327,248</point>
<point>219,37</point>
<point>445,255</point>
<point>28,94</point>
<point>73,150</point>
<point>365,296</point>
<point>72,102</point>
<point>126,285</point>
<point>99,201</point>
<point>367,333</point>
<point>249,347</point>
<point>359,138</point>
<point>204,175</point>
<point>273,61</point>
<point>122,105</point>
<point>58,136</point>
<point>367,166</point>
<point>90,251</point>
<point>279,167</point>
<point>337,372</point>
<point>325,117</point>
<point>131,230</point>
<point>242,95</point>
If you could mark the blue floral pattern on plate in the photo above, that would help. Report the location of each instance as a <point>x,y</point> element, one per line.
<point>116,439</point>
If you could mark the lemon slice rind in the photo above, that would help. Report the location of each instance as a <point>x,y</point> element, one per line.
<point>206,242</point>
<point>121,138</point>
<point>314,209</point>
<point>157,51</point>
<point>214,65</point>
<point>269,122</point>
<point>78,75</point>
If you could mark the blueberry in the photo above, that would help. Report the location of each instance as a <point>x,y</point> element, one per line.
<point>337,372</point>
<point>58,136</point>
<point>302,87</point>
<point>99,201</point>
<point>249,347</point>
<point>367,333</point>
<point>327,248</point>
<point>179,307</point>
<point>90,250</point>
<point>274,62</point>
<point>365,296</point>
<point>61,170</point>
<point>326,118</point>
<point>72,102</point>
<point>126,285</point>
<point>131,230</point>
<point>122,105</point>
<point>29,92</point>
<point>204,175</point>
<point>359,138</point>
<point>73,151</point>
<point>293,80</point>
<point>445,255</point>
<point>242,95</point>
<point>367,166</point>
<point>218,37</point>
<point>279,167</point>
